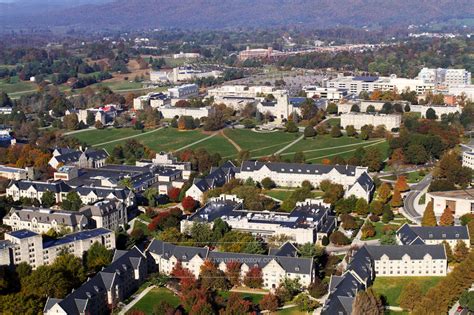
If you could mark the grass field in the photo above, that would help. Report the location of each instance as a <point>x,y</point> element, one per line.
<point>412,177</point>
<point>260,144</point>
<point>153,297</point>
<point>391,287</point>
<point>93,137</point>
<point>325,146</point>
<point>218,144</point>
<point>255,298</point>
<point>17,87</point>
<point>291,311</point>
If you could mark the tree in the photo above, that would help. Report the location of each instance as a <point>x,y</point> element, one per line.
<point>351,131</point>
<point>416,154</point>
<point>449,252</point>
<point>291,127</point>
<point>220,228</point>
<point>307,250</point>
<point>410,295</point>
<point>299,157</point>
<point>189,204</point>
<point>233,272</point>
<point>384,192</point>
<point>268,183</point>
<point>388,238</point>
<point>348,222</point>
<point>236,305</point>
<point>254,278</point>
<point>368,230</point>
<point>429,218</point>
<point>447,218</point>
<point>318,288</point>
<point>373,159</point>
<point>367,303</point>
<point>305,303</point>
<point>387,216</point>
<point>370,109</point>
<point>269,302</point>
<point>431,114</point>
<point>71,122</point>
<point>212,278</point>
<point>201,233</point>
<point>331,109</point>
<point>338,238</point>
<point>173,194</point>
<point>98,125</point>
<point>467,300</point>
<point>376,207</point>
<point>460,251</point>
<point>336,132</point>
<point>396,200</point>
<point>401,185</point>
<point>362,207</point>
<point>97,256</point>
<point>355,108</point>
<point>48,199</point>
<point>72,202</point>
<point>309,132</point>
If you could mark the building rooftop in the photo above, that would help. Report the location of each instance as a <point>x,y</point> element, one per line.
<point>20,234</point>
<point>69,238</point>
<point>467,194</point>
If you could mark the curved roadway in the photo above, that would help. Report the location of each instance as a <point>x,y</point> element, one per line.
<point>415,191</point>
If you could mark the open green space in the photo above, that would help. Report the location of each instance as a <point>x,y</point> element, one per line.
<point>261,144</point>
<point>325,146</point>
<point>391,287</point>
<point>412,177</point>
<point>217,144</point>
<point>255,298</point>
<point>154,297</point>
<point>283,194</point>
<point>97,136</point>
<point>379,228</point>
<point>16,86</point>
<point>290,311</point>
<point>334,122</point>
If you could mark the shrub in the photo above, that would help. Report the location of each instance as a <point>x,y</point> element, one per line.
<point>374,218</point>
<point>338,238</point>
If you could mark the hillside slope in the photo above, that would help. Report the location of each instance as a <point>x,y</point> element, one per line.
<point>250,13</point>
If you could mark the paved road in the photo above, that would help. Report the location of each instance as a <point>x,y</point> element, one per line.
<point>410,199</point>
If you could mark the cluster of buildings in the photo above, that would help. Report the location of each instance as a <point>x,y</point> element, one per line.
<point>308,222</point>
<point>182,74</point>
<point>419,253</point>
<point>461,202</point>
<point>354,179</point>
<point>358,120</point>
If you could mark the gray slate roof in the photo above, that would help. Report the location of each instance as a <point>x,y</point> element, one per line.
<point>279,167</point>
<point>73,156</point>
<point>396,252</point>
<point>216,178</point>
<point>66,218</point>
<point>408,234</point>
<point>55,187</point>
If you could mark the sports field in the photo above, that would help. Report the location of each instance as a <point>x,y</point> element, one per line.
<point>228,142</point>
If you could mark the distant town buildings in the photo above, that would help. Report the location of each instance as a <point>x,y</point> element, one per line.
<point>369,84</point>
<point>448,77</point>
<point>332,94</point>
<point>183,55</point>
<point>258,53</point>
<point>358,120</point>
<point>182,74</point>
<point>13,172</point>
<point>184,91</point>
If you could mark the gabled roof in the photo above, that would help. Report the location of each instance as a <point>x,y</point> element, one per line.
<point>66,218</point>
<point>289,168</point>
<point>76,302</point>
<point>366,182</point>
<point>407,234</point>
<point>216,178</point>
<point>342,294</point>
<point>396,252</point>
<point>73,156</point>
<point>55,187</point>
<point>287,249</point>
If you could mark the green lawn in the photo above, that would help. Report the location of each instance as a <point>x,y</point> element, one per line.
<point>291,311</point>
<point>153,297</point>
<point>93,137</point>
<point>325,146</point>
<point>16,86</point>
<point>255,298</point>
<point>261,144</point>
<point>334,122</point>
<point>278,194</point>
<point>391,287</point>
<point>218,144</point>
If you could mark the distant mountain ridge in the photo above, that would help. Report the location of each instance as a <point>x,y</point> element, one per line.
<point>218,14</point>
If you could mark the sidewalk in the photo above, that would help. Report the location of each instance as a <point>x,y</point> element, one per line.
<point>135,300</point>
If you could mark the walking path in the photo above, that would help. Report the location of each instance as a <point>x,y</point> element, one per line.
<point>236,146</point>
<point>196,142</point>
<point>289,145</point>
<point>126,138</point>
<point>340,146</point>
<point>77,131</point>
<point>136,299</point>
<point>338,153</point>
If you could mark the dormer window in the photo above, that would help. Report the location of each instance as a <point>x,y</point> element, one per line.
<point>282,169</point>
<point>185,257</point>
<point>297,268</point>
<point>444,235</point>
<point>457,235</point>
<point>430,235</point>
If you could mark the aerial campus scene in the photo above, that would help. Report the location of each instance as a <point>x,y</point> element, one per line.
<point>236,157</point>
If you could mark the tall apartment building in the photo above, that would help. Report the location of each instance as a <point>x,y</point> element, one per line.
<point>358,120</point>
<point>32,248</point>
<point>184,91</point>
<point>369,84</point>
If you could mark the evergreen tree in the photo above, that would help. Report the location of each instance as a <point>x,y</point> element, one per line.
<point>429,218</point>
<point>449,252</point>
<point>402,184</point>
<point>447,218</point>
<point>397,200</point>
<point>48,199</point>
<point>460,251</point>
